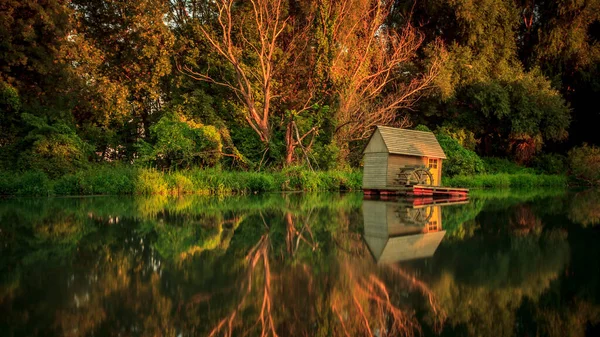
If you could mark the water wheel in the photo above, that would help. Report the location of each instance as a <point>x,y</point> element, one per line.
<point>415,175</point>
<point>414,216</point>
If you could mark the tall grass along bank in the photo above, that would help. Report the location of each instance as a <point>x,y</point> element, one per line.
<point>108,180</point>
<point>125,180</point>
<point>505,180</point>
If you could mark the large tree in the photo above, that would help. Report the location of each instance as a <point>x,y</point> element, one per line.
<point>283,57</point>
<point>134,46</point>
<point>483,85</point>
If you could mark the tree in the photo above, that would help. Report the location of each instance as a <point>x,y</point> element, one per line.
<point>265,45</point>
<point>563,39</point>
<point>134,46</point>
<point>370,66</point>
<point>252,52</point>
<point>482,85</point>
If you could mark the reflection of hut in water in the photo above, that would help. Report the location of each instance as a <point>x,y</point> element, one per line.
<point>397,232</point>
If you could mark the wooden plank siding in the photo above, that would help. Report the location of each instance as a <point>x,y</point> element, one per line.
<point>376,144</point>
<point>390,149</point>
<point>375,171</point>
<point>395,162</point>
<point>391,240</point>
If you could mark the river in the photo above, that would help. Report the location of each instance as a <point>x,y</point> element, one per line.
<point>505,263</point>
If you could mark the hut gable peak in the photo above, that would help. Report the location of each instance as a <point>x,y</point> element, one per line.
<point>407,142</point>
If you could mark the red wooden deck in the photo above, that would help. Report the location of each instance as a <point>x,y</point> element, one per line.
<point>420,191</point>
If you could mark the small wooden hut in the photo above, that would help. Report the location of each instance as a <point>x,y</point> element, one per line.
<point>397,232</point>
<point>393,152</point>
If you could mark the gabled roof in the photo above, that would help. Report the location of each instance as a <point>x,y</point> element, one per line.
<point>403,248</point>
<point>410,142</point>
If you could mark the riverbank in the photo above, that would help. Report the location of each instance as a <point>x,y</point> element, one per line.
<point>108,180</point>
<point>125,180</point>
<point>507,180</point>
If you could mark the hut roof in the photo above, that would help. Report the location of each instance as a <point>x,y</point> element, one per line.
<point>403,248</point>
<point>411,142</point>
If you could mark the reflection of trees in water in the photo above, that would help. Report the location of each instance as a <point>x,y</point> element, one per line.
<point>482,282</point>
<point>288,292</point>
<point>286,266</point>
<point>585,208</point>
<point>575,319</point>
<point>523,220</point>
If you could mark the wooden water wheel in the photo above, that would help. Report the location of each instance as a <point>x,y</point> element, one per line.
<point>414,216</point>
<point>414,175</point>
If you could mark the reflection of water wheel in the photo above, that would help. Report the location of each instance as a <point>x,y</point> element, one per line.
<point>416,216</point>
<point>415,175</point>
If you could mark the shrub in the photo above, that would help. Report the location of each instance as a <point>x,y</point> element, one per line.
<point>8,183</point>
<point>460,161</point>
<point>54,149</point>
<point>502,165</point>
<point>258,182</point>
<point>183,143</point>
<point>107,180</point>
<point>503,180</point>
<point>33,183</point>
<point>180,184</point>
<point>551,163</point>
<point>584,162</point>
<point>150,181</point>
<point>463,136</point>
<point>67,185</point>
<point>326,156</point>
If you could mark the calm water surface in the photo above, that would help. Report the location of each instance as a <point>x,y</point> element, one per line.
<point>504,264</point>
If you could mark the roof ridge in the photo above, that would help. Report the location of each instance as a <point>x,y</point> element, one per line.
<point>393,127</point>
<point>410,142</point>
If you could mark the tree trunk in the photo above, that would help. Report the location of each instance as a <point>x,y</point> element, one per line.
<point>290,144</point>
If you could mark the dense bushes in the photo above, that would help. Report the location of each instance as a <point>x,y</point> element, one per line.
<point>53,148</point>
<point>182,143</point>
<point>459,160</point>
<point>495,165</point>
<point>100,180</point>
<point>584,162</point>
<point>29,183</point>
<point>551,163</point>
<point>126,180</point>
<point>503,180</point>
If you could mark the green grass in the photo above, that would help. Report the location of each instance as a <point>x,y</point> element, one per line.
<point>505,180</point>
<point>122,180</point>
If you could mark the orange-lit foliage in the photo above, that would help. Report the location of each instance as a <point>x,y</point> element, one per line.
<point>370,66</point>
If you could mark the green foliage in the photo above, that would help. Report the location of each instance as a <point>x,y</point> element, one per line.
<point>180,184</point>
<point>109,93</point>
<point>326,156</point>
<point>422,127</point>
<point>460,161</point>
<point>122,180</point>
<point>150,181</point>
<point>183,144</point>
<point>32,183</point>
<point>495,165</point>
<point>584,162</point>
<point>106,180</point>
<point>551,163</point>
<point>10,107</point>
<point>504,180</point>
<point>463,136</point>
<point>53,148</point>
<point>517,116</point>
